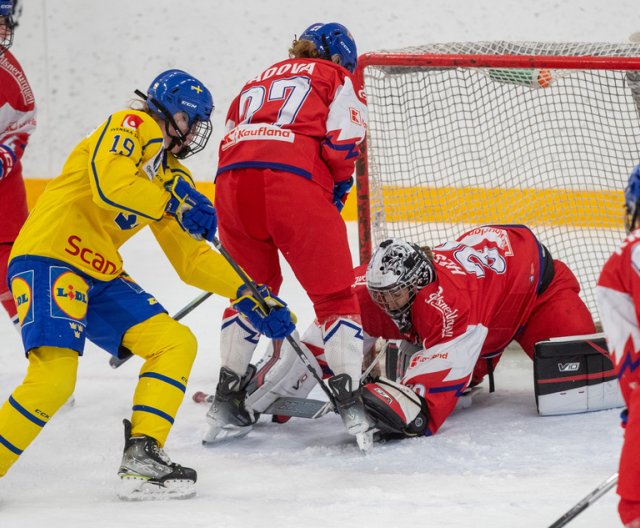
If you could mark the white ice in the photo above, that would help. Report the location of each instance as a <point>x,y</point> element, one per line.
<point>497,464</point>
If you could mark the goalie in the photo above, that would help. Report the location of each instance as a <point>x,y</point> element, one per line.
<point>461,304</point>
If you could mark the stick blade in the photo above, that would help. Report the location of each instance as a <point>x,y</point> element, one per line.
<point>299,407</point>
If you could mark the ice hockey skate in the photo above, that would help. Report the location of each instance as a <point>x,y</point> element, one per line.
<point>147,473</point>
<point>228,416</point>
<point>351,409</point>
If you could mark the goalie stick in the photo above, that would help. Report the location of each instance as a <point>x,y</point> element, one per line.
<point>283,406</point>
<point>115,362</point>
<point>586,502</point>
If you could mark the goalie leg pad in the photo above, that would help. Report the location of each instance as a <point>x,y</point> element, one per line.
<point>280,373</point>
<point>574,375</point>
<point>395,408</point>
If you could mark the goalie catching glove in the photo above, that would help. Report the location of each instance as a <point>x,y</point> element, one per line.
<point>395,408</point>
<point>193,210</point>
<point>269,315</point>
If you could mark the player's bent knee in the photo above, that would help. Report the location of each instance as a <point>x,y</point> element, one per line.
<point>186,341</point>
<point>395,408</point>
<point>161,335</point>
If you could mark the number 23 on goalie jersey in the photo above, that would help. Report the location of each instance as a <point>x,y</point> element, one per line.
<point>302,116</point>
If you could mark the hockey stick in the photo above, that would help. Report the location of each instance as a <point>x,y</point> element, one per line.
<point>586,502</point>
<point>373,363</point>
<point>283,406</point>
<point>256,294</point>
<point>115,362</point>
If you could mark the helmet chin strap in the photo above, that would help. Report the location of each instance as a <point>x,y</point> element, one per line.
<point>178,140</point>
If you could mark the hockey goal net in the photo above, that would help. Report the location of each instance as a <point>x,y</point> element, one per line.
<point>542,134</point>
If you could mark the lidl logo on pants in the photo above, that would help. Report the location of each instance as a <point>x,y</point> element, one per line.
<point>22,290</point>
<point>70,293</point>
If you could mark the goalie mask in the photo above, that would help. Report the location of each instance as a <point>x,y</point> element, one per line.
<point>173,92</point>
<point>631,199</point>
<point>398,270</point>
<point>333,40</point>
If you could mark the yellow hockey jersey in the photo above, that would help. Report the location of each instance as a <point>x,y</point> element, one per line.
<point>111,186</point>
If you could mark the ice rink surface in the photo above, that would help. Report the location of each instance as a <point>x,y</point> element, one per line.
<point>496,464</point>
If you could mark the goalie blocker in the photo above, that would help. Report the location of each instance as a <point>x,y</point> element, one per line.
<point>574,375</point>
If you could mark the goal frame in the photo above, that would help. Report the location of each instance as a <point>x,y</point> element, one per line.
<point>440,61</point>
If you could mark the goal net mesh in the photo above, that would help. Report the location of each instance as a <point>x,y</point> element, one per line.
<point>542,134</point>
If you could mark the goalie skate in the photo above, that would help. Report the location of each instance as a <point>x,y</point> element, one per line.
<point>147,473</point>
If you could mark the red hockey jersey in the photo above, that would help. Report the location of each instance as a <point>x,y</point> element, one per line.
<point>301,116</point>
<point>618,297</point>
<point>485,289</point>
<point>17,122</point>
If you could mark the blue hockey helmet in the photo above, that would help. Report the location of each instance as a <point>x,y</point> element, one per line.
<point>175,91</point>
<point>333,40</point>
<point>7,24</point>
<point>632,199</point>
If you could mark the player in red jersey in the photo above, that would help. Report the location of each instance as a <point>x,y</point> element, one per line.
<point>285,168</point>
<point>17,122</point>
<point>618,297</point>
<point>467,302</point>
<point>461,304</point>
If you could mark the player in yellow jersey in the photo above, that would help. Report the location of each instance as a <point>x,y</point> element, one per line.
<point>67,279</point>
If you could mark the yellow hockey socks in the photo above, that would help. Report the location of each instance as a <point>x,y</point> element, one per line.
<point>169,349</point>
<point>50,381</point>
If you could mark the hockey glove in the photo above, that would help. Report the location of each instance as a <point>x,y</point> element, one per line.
<point>395,408</point>
<point>193,211</point>
<point>276,322</point>
<point>340,192</point>
<point>7,159</point>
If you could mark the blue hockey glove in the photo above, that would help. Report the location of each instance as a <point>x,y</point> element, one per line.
<point>276,323</point>
<point>340,192</point>
<point>193,210</point>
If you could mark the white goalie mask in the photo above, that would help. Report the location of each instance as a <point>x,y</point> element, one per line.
<point>397,271</point>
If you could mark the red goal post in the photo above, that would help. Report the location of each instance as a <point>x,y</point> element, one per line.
<point>461,134</point>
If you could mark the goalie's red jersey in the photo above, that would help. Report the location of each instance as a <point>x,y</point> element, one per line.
<point>618,296</point>
<point>493,284</point>
<point>301,116</point>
